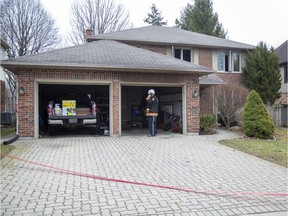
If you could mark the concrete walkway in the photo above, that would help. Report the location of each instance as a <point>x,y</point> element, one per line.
<point>215,175</point>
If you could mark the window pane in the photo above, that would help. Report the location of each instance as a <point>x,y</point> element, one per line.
<point>187,55</point>
<point>220,61</point>
<point>177,53</point>
<point>235,61</point>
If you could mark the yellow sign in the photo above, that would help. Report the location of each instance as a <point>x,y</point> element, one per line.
<point>69,107</point>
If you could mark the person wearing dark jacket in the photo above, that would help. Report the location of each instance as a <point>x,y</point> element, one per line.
<point>152,112</point>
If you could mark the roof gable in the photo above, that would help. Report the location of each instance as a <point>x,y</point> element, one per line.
<point>281,52</point>
<point>106,54</point>
<point>170,36</point>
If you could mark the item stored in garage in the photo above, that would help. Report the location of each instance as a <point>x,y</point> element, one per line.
<point>77,111</point>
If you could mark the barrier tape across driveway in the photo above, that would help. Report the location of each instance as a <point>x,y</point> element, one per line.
<point>178,188</point>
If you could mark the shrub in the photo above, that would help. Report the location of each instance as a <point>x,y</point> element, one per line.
<point>207,122</point>
<point>257,122</point>
<point>239,117</point>
<point>230,98</point>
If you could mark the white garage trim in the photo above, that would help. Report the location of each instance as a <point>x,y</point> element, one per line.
<point>156,84</point>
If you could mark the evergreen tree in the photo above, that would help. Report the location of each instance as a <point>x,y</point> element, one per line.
<point>201,18</point>
<point>155,17</point>
<point>257,122</point>
<point>262,73</point>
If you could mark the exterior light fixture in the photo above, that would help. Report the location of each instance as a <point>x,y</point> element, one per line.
<point>21,91</point>
<point>196,93</point>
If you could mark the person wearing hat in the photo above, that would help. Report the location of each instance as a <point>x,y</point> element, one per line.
<point>152,112</point>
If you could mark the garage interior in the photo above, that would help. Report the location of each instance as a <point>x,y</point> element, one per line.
<point>133,105</point>
<point>97,93</point>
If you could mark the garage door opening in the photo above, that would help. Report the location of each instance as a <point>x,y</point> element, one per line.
<point>74,110</point>
<point>133,106</point>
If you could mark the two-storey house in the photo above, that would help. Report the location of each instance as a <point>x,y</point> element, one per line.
<point>223,56</point>
<point>117,70</point>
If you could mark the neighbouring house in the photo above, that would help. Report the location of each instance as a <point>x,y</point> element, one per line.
<point>282,102</point>
<point>117,69</point>
<point>3,55</point>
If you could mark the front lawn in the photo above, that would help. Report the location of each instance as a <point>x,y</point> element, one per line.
<point>271,150</point>
<point>7,132</point>
<point>6,149</point>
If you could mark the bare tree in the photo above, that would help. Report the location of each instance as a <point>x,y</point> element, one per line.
<point>100,16</point>
<point>229,99</point>
<point>27,27</point>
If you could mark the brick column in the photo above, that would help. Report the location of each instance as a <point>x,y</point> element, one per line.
<point>26,106</point>
<point>116,108</point>
<point>193,105</point>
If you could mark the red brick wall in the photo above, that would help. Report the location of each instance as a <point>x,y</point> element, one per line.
<point>205,58</point>
<point>158,49</point>
<point>206,101</point>
<point>192,109</point>
<point>26,105</point>
<point>236,78</point>
<point>116,98</point>
<point>2,83</point>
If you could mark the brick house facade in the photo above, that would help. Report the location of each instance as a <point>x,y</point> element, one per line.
<point>28,79</point>
<point>113,62</point>
<point>31,77</point>
<point>204,50</point>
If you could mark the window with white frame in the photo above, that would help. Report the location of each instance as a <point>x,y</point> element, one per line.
<point>228,61</point>
<point>183,54</point>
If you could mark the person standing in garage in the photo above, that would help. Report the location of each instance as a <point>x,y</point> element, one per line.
<point>152,112</point>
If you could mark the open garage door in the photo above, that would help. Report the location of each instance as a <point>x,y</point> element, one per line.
<point>73,109</point>
<point>133,106</point>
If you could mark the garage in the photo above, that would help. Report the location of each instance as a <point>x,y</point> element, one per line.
<point>52,92</point>
<point>133,105</point>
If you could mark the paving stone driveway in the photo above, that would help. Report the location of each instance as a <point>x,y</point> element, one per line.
<point>196,162</point>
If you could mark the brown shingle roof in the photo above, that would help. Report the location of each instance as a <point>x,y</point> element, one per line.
<point>281,51</point>
<point>283,100</point>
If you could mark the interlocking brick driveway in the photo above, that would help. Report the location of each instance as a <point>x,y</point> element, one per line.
<point>196,162</point>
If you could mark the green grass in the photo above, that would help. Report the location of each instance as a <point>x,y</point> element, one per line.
<point>272,150</point>
<point>6,149</point>
<point>7,132</point>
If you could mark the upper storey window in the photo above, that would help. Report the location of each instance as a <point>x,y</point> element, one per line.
<point>228,61</point>
<point>183,54</point>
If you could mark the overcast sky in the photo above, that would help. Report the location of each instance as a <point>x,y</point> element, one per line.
<point>247,21</point>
